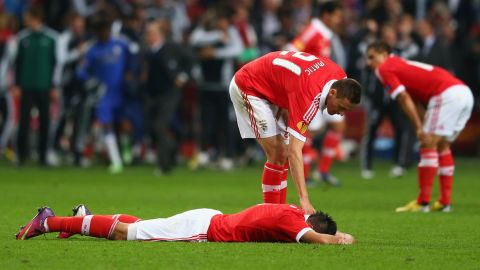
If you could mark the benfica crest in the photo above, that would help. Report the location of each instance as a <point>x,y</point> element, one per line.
<point>302,126</point>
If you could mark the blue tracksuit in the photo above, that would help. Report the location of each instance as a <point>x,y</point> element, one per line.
<point>108,63</point>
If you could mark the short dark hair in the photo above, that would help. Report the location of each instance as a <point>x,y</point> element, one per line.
<point>36,12</point>
<point>329,7</point>
<point>322,223</point>
<point>380,46</point>
<point>348,88</point>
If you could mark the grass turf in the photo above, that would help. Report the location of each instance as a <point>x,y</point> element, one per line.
<point>365,208</point>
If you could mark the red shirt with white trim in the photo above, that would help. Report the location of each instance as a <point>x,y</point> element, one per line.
<point>260,223</point>
<point>315,39</point>
<point>421,81</point>
<point>296,81</point>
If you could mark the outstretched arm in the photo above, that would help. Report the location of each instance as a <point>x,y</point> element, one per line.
<point>410,109</point>
<point>295,159</point>
<point>313,237</point>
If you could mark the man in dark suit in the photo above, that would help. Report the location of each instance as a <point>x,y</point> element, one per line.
<point>167,70</point>
<point>434,51</point>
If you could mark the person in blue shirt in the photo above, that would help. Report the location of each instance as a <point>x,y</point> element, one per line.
<point>107,61</point>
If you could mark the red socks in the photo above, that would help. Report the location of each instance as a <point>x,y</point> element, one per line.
<point>283,184</point>
<point>427,169</point>
<point>446,170</point>
<point>100,226</point>
<point>329,151</point>
<point>271,182</point>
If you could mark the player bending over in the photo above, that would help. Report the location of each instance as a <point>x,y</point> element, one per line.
<point>275,98</point>
<point>448,103</point>
<point>259,223</point>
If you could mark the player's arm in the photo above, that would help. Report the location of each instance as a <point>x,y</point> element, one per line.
<point>313,237</point>
<point>295,159</point>
<point>410,109</point>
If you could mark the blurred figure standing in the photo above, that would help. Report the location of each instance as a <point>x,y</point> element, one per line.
<point>434,50</point>
<point>218,44</point>
<point>72,47</point>
<point>35,63</point>
<point>107,62</point>
<point>167,70</point>
<point>321,38</point>
<point>378,105</point>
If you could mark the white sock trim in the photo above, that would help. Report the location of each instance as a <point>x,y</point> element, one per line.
<point>45,225</point>
<point>86,225</point>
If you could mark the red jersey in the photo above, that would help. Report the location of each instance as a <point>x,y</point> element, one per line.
<point>260,223</point>
<point>315,39</point>
<point>296,81</point>
<point>421,81</point>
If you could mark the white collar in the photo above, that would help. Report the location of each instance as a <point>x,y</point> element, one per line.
<point>323,96</point>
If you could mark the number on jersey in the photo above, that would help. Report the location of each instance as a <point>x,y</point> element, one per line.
<point>424,66</point>
<point>290,65</point>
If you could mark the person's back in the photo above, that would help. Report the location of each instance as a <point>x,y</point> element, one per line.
<point>260,223</point>
<point>422,81</point>
<point>108,61</point>
<point>280,76</point>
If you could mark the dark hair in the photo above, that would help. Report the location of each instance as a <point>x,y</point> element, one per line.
<point>101,22</point>
<point>348,88</point>
<point>35,12</point>
<point>322,223</point>
<point>329,7</point>
<point>380,46</point>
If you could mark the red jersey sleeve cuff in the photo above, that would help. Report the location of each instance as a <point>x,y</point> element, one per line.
<point>301,233</point>
<point>295,134</point>
<point>397,91</point>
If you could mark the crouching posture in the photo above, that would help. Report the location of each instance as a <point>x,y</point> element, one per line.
<point>259,223</point>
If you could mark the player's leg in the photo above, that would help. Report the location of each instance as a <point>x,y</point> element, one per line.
<point>375,114</point>
<point>446,171</point>
<point>427,170</point>
<point>105,114</point>
<point>43,104</point>
<point>451,123</point>
<point>189,226</point>
<point>273,170</point>
<point>257,118</point>
<point>45,221</point>
<point>336,129</point>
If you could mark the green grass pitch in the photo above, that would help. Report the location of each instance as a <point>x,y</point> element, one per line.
<point>365,208</point>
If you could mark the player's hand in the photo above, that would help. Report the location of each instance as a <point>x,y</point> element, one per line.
<point>307,207</point>
<point>346,239</point>
<point>423,137</point>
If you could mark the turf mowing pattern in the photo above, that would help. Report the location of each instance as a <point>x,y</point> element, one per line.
<point>364,208</point>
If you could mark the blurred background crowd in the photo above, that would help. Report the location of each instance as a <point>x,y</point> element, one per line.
<point>125,82</point>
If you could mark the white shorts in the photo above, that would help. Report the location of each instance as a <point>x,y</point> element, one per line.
<point>256,117</point>
<point>323,118</point>
<point>448,113</point>
<point>190,226</point>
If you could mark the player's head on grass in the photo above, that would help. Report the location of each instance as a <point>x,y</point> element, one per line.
<point>377,53</point>
<point>322,223</point>
<point>343,96</point>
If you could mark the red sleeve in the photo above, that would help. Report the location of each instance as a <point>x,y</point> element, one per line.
<point>390,80</point>
<point>301,106</point>
<point>293,224</point>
